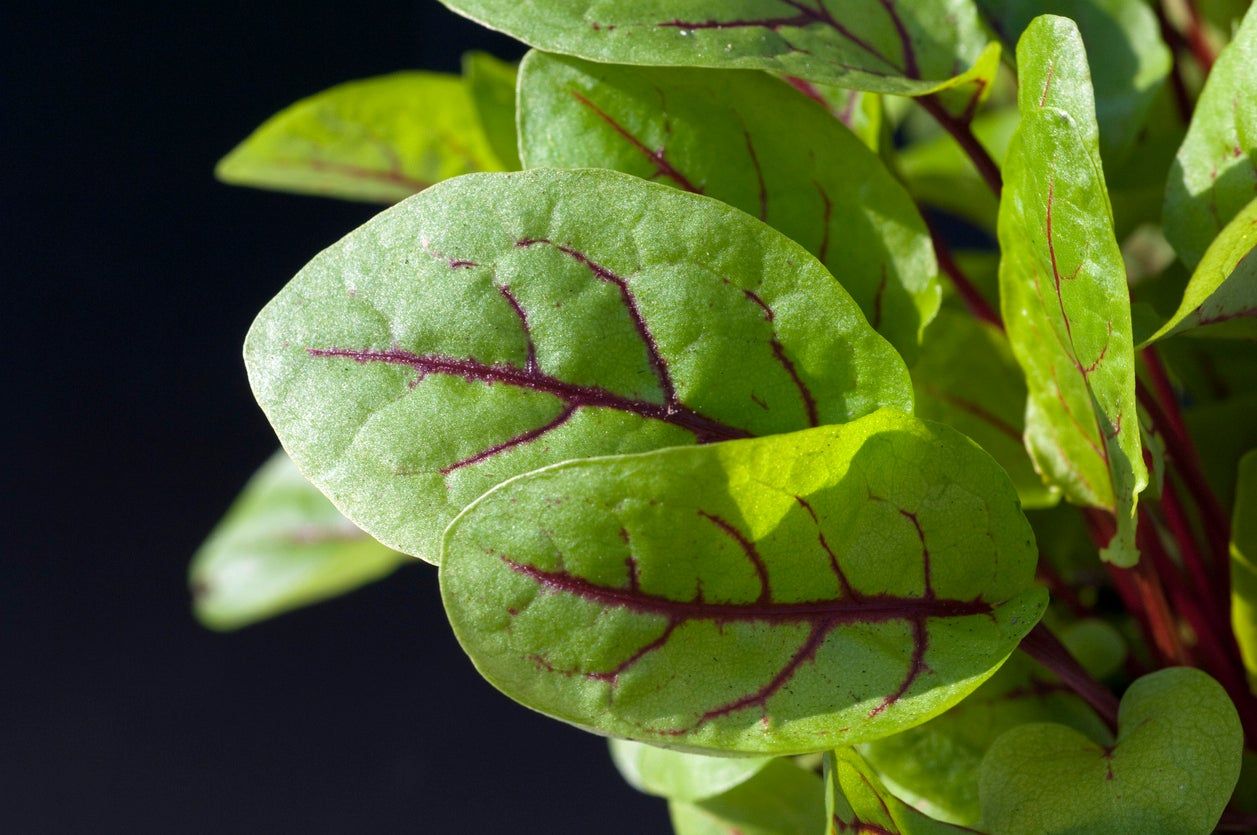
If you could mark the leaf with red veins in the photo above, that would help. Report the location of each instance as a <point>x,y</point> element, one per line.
<point>775,595</point>
<point>755,143</point>
<point>1063,289</point>
<point>500,323</point>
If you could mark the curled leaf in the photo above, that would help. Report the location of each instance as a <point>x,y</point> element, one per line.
<point>857,801</point>
<point>678,774</point>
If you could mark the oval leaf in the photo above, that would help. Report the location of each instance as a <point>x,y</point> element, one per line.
<point>1063,288</point>
<point>377,140</point>
<point>1215,173</point>
<point>753,142</point>
<point>1175,763</point>
<point>783,799</point>
<point>910,49</point>
<point>281,546</point>
<point>501,322</point>
<point>857,801</point>
<point>679,774</point>
<point>778,595</point>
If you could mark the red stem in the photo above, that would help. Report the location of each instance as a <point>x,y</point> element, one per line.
<point>1060,589</point>
<point>1044,647</point>
<point>962,132</point>
<point>969,294</point>
<point>1196,38</point>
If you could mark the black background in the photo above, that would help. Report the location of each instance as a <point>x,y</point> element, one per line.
<point>130,277</point>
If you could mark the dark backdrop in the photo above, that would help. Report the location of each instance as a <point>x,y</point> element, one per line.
<point>130,277</point>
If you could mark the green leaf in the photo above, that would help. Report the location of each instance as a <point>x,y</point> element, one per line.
<point>1127,58</point>
<point>750,141</point>
<point>777,595</point>
<point>281,546</point>
<point>967,378</point>
<point>783,799</point>
<point>1221,297</point>
<point>862,113</point>
<point>909,49</point>
<point>501,322</point>
<point>1172,769</point>
<point>935,765</point>
<point>1244,565</point>
<point>492,86</point>
<point>377,140</point>
<point>1063,288</point>
<point>857,801</point>
<point>1215,173</point>
<point>680,775</point>
<point>1231,431</point>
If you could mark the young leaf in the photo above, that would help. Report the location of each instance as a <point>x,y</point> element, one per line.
<point>862,113</point>
<point>753,142</point>
<point>281,546</point>
<point>1128,60</point>
<point>1222,294</point>
<point>680,775</point>
<point>782,799</point>
<point>377,140</point>
<point>935,765</point>
<point>1244,565</point>
<point>778,595</point>
<point>1172,769</point>
<point>1215,173</point>
<point>1063,288</point>
<point>857,801</point>
<point>881,46</point>
<point>967,378</point>
<point>501,322</point>
<point>492,86</point>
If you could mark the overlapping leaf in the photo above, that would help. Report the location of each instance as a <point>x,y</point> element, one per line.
<point>1222,294</point>
<point>491,83</point>
<point>498,323</point>
<point>680,775</point>
<point>1215,173</point>
<point>1063,288</point>
<point>782,799</point>
<point>379,140</point>
<point>861,112</point>
<point>882,46</point>
<point>753,142</point>
<point>282,545</point>
<point>857,801</point>
<point>1172,768</point>
<point>1244,565</point>
<point>777,595</point>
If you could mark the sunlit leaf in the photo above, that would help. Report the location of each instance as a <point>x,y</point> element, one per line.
<point>678,774</point>
<point>500,322</point>
<point>857,801</point>
<point>777,595</point>
<point>782,799</point>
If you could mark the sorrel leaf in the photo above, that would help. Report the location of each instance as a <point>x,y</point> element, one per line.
<point>281,546</point>
<point>861,112</point>
<point>377,140</point>
<point>1215,173</point>
<point>1172,769</point>
<point>776,595</point>
<point>751,141</point>
<point>501,322</point>
<point>492,86</point>
<point>882,46</point>
<point>782,799</point>
<point>1128,60</point>
<point>1222,294</point>
<point>680,775</point>
<point>936,764</point>
<point>967,378</point>
<point>857,801</point>
<point>1244,564</point>
<point>1063,288</point>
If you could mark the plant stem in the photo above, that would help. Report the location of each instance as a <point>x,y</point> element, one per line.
<point>962,132</point>
<point>1178,86</point>
<point>974,300</point>
<point>1196,38</point>
<point>1044,647</point>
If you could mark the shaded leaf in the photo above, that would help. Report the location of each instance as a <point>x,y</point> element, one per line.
<point>678,774</point>
<point>750,141</point>
<point>881,46</point>
<point>783,799</point>
<point>491,83</point>
<point>1244,565</point>
<point>1063,288</point>
<point>777,595</point>
<point>1231,431</point>
<point>378,140</point>
<point>967,378</point>
<point>281,546</point>
<point>857,801</point>
<point>1222,294</point>
<point>1172,769</point>
<point>1215,173</point>
<point>500,322</point>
